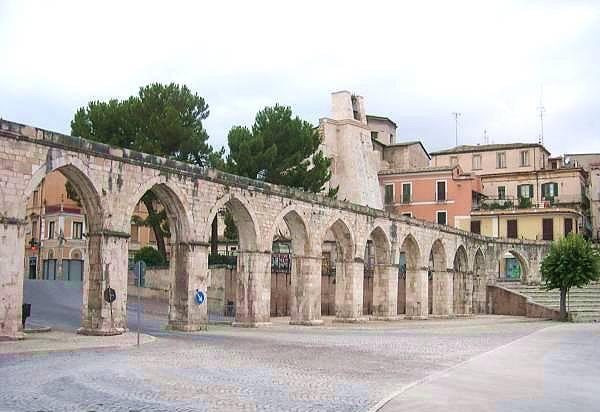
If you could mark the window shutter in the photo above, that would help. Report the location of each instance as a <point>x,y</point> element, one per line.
<point>543,190</point>
<point>531,191</point>
<point>519,191</point>
<point>555,189</point>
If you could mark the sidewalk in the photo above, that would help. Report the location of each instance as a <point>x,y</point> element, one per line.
<point>554,369</point>
<point>68,341</point>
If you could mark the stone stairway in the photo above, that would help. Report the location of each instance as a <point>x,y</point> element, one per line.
<point>583,304</point>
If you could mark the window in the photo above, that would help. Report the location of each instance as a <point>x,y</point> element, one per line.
<point>440,190</point>
<point>525,191</point>
<point>135,230</point>
<point>35,197</point>
<point>442,217</point>
<point>548,229</point>
<point>407,214</point>
<point>476,226</point>
<point>524,157</point>
<point>389,194</point>
<point>406,192</point>
<point>476,162</point>
<point>568,225</point>
<point>501,192</point>
<point>549,191</point>
<point>453,160</point>
<point>391,138</point>
<point>374,135</point>
<point>501,160</point>
<point>34,231</point>
<point>77,230</point>
<point>50,230</point>
<point>511,229</point>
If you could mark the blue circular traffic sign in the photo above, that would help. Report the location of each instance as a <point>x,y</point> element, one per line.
<point>199,296</point>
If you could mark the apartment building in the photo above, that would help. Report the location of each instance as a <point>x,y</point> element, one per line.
<point>528,193</point>
<point>442,194</point>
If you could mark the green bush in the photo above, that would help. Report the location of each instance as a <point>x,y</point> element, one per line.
<point>150,256</point>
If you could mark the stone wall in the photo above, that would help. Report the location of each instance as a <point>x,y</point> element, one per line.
<point>502,301</point>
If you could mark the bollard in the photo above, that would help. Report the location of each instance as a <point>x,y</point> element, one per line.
<point>25,312</point>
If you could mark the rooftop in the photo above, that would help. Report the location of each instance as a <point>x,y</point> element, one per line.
<point>383,118</point>
<point>487,147</point>
<point>415,170</point>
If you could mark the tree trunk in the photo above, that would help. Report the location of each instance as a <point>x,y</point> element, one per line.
<point>158,233</point>
<point>214,237</point>
<point>563,304</point>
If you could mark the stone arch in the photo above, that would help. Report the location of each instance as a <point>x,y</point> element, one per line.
<point>300,236</point>
<point>479,283</point>
<point>77,173</point>
<point>379,292</point>
<point>342,288</point>
<point>343,236</point>
<point>462,282</point>
<point>523,263</point>
<point>290,288</point>
<point>244,218</point>
<point>409,263</point>
<point>171,198</point>
<point>440,282</point>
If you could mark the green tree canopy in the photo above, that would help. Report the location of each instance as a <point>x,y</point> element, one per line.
<point>572,262</point>
<point>279,149</point>
<point>163,120</point>
<point>150,256</point>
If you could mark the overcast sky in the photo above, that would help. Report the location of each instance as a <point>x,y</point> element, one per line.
<point>415,62</point>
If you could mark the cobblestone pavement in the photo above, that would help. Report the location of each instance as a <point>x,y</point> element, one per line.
<point>282,368</point>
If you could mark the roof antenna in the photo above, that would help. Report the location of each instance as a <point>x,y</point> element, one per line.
<point>486,138</point>
<point>456,116</point>
<point>541,110</point>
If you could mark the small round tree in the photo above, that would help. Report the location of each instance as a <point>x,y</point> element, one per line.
<point>150,256</point>
<point>572,262</point>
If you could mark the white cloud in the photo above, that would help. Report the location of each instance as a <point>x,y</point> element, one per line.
<point>415,62</point>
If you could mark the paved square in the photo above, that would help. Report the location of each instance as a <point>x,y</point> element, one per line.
<point>283,368</point>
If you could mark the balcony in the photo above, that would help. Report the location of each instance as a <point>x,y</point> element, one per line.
<point>512,203</point>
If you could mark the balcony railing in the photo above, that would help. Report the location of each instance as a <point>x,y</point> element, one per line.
<point>511,203</point>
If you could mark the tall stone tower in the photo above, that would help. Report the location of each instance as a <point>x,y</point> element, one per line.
<point>347,141</point>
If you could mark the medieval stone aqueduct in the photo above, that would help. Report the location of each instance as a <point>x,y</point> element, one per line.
<point>110,182</point>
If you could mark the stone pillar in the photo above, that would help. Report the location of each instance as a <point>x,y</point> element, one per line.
<point>385,292</point>
<point>106,266</point>
<point>417,293</point>
<point>468,302</point>
<point>12,256</point>
<point>443,294</point>
<point>305,305</point>
<point>189,275</point>
<point>253,292</point>
<point>479,295</point>
<point>349,291</point>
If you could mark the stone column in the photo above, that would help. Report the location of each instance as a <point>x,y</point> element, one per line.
<point>189,275</point>
<point>305,305</point>
<point>479,287</point>
<point>385,292</point>
<point>12,258</point>
<point>253,292</point>
<point>417,293</point>
<point>468,302</point>
<point>106,266</point>
<point>443,294</point>
<point>349,291</point>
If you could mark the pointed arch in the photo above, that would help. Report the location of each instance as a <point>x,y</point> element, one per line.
<point>301,240</point>
<point>343,236</point>
<point>437,256</point>
<point>383,248</point>
<point>77,173</point>
<point>410,248</point>
<point>461,262</point>
<point>244,218</point>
